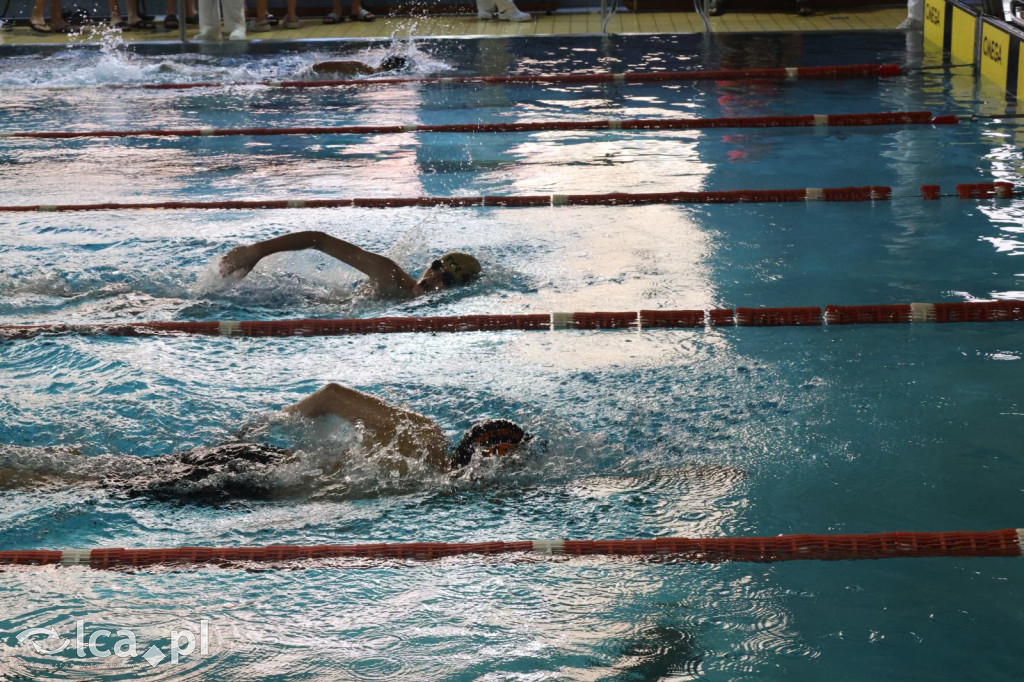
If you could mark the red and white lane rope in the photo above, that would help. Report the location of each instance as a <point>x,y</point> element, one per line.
<point>609,199</point>
<point>900,545</point>
<point>978,190</point>
<point>807,120</point>
<point>986,311</point>
<point>792,73</point>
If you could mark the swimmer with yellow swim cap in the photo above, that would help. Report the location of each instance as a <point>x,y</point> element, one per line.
<point>451,269</point>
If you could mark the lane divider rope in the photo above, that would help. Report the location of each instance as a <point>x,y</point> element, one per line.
<point>898,545</point>
<point>836,72</point>
<point>608,199</point>
<point>809,120</point>
<point>979,311</point>
<point>978,190</point>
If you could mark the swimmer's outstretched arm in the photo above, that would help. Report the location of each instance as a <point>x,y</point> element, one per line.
<point>383,271</point>
<point>344,68</point>
<point>415,435</point>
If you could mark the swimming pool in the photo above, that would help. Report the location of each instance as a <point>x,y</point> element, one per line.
<point>711,433</point>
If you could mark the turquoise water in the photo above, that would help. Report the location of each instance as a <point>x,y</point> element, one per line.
<point>689,432</point>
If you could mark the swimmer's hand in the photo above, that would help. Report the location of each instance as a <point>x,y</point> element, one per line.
<point>239,261</point>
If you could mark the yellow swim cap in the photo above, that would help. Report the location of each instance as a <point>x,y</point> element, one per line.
<point>461,266</point>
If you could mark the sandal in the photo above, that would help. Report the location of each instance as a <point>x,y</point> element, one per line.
<point>332,18</point>
<point>292,24</point>
<point>364,15</point>
<point>192,20</point>
<point>143,25</point>
<point>40,28</point>
<point>171,22</point>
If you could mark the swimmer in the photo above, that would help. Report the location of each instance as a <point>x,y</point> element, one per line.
<point>452,269</point>
<point>354,68</point>
<point>237,470</point>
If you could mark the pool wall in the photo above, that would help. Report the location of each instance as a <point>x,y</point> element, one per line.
<point>991,44</point>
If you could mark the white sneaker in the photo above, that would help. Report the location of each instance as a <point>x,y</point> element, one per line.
<point>237,34</point>
<point>483,15</point>
<point>910,25</point>
<point>207,35</point>
<point>514,15</point>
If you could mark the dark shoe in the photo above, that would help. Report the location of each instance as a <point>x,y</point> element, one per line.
<point>171,22</point>
<point>803,8</point>
<point>192,20</point>
<point>143,25</point>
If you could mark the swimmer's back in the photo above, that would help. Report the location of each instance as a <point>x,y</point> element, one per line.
<point>207,475</point>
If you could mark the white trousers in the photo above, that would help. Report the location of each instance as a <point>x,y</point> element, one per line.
<point>915,10</point>
<point>209,15</point>
<point>500,6</point>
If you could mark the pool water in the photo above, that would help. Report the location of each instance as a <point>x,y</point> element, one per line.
<point>717,432</point>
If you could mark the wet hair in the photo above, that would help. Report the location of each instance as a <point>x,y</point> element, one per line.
<point>207,475</point>
<point>456,268</point>
<point>393,63</point>
<point>485,436</point>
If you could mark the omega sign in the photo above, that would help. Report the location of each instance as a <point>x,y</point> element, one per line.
<point>992,50</point>
<point>931,15</point>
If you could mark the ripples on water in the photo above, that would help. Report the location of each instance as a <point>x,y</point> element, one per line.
<point>689,432</point>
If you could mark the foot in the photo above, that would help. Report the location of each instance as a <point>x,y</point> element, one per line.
<point>171,22</point>
<point>207,35</point>
<point>364,15</point>
<point>237,34</point>
<point>39,26</point>
<point>192,20</point>
<point>259,26</point>
<point>332,18</point>
<point>142,24</point>
<point>292,23</point>
<point>514,15</point>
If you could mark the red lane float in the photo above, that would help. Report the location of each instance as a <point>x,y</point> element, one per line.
<point>788,73</point>
<point>883,119</point>
<point>900,545</point>
<point>980,311</point>
<point>873,193</point>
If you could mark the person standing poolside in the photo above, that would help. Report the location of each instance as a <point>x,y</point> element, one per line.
<point>452,269</point>
<point>243,470</point>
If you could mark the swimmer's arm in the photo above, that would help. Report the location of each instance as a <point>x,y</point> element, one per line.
<point>420,436</point>
<point>384,272</point>
<point>344,68</point>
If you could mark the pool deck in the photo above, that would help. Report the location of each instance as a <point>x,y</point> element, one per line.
<point>574,23</point>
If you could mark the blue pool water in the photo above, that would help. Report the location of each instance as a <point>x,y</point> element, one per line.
<point>725,432</point>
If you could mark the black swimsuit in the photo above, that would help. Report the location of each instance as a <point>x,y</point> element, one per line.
<point>207,475</point>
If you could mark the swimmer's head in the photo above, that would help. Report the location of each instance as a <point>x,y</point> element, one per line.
<point>451,269</point>
<point>491,438</point>
<point>393,63</point>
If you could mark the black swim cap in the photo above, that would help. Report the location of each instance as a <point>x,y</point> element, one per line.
<point>489,435</point>
<point>393,63</point>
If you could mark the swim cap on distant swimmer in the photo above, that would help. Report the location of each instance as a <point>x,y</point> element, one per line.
<point>492,438</point>
<point>393,63</point>
<point>457,267</point>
